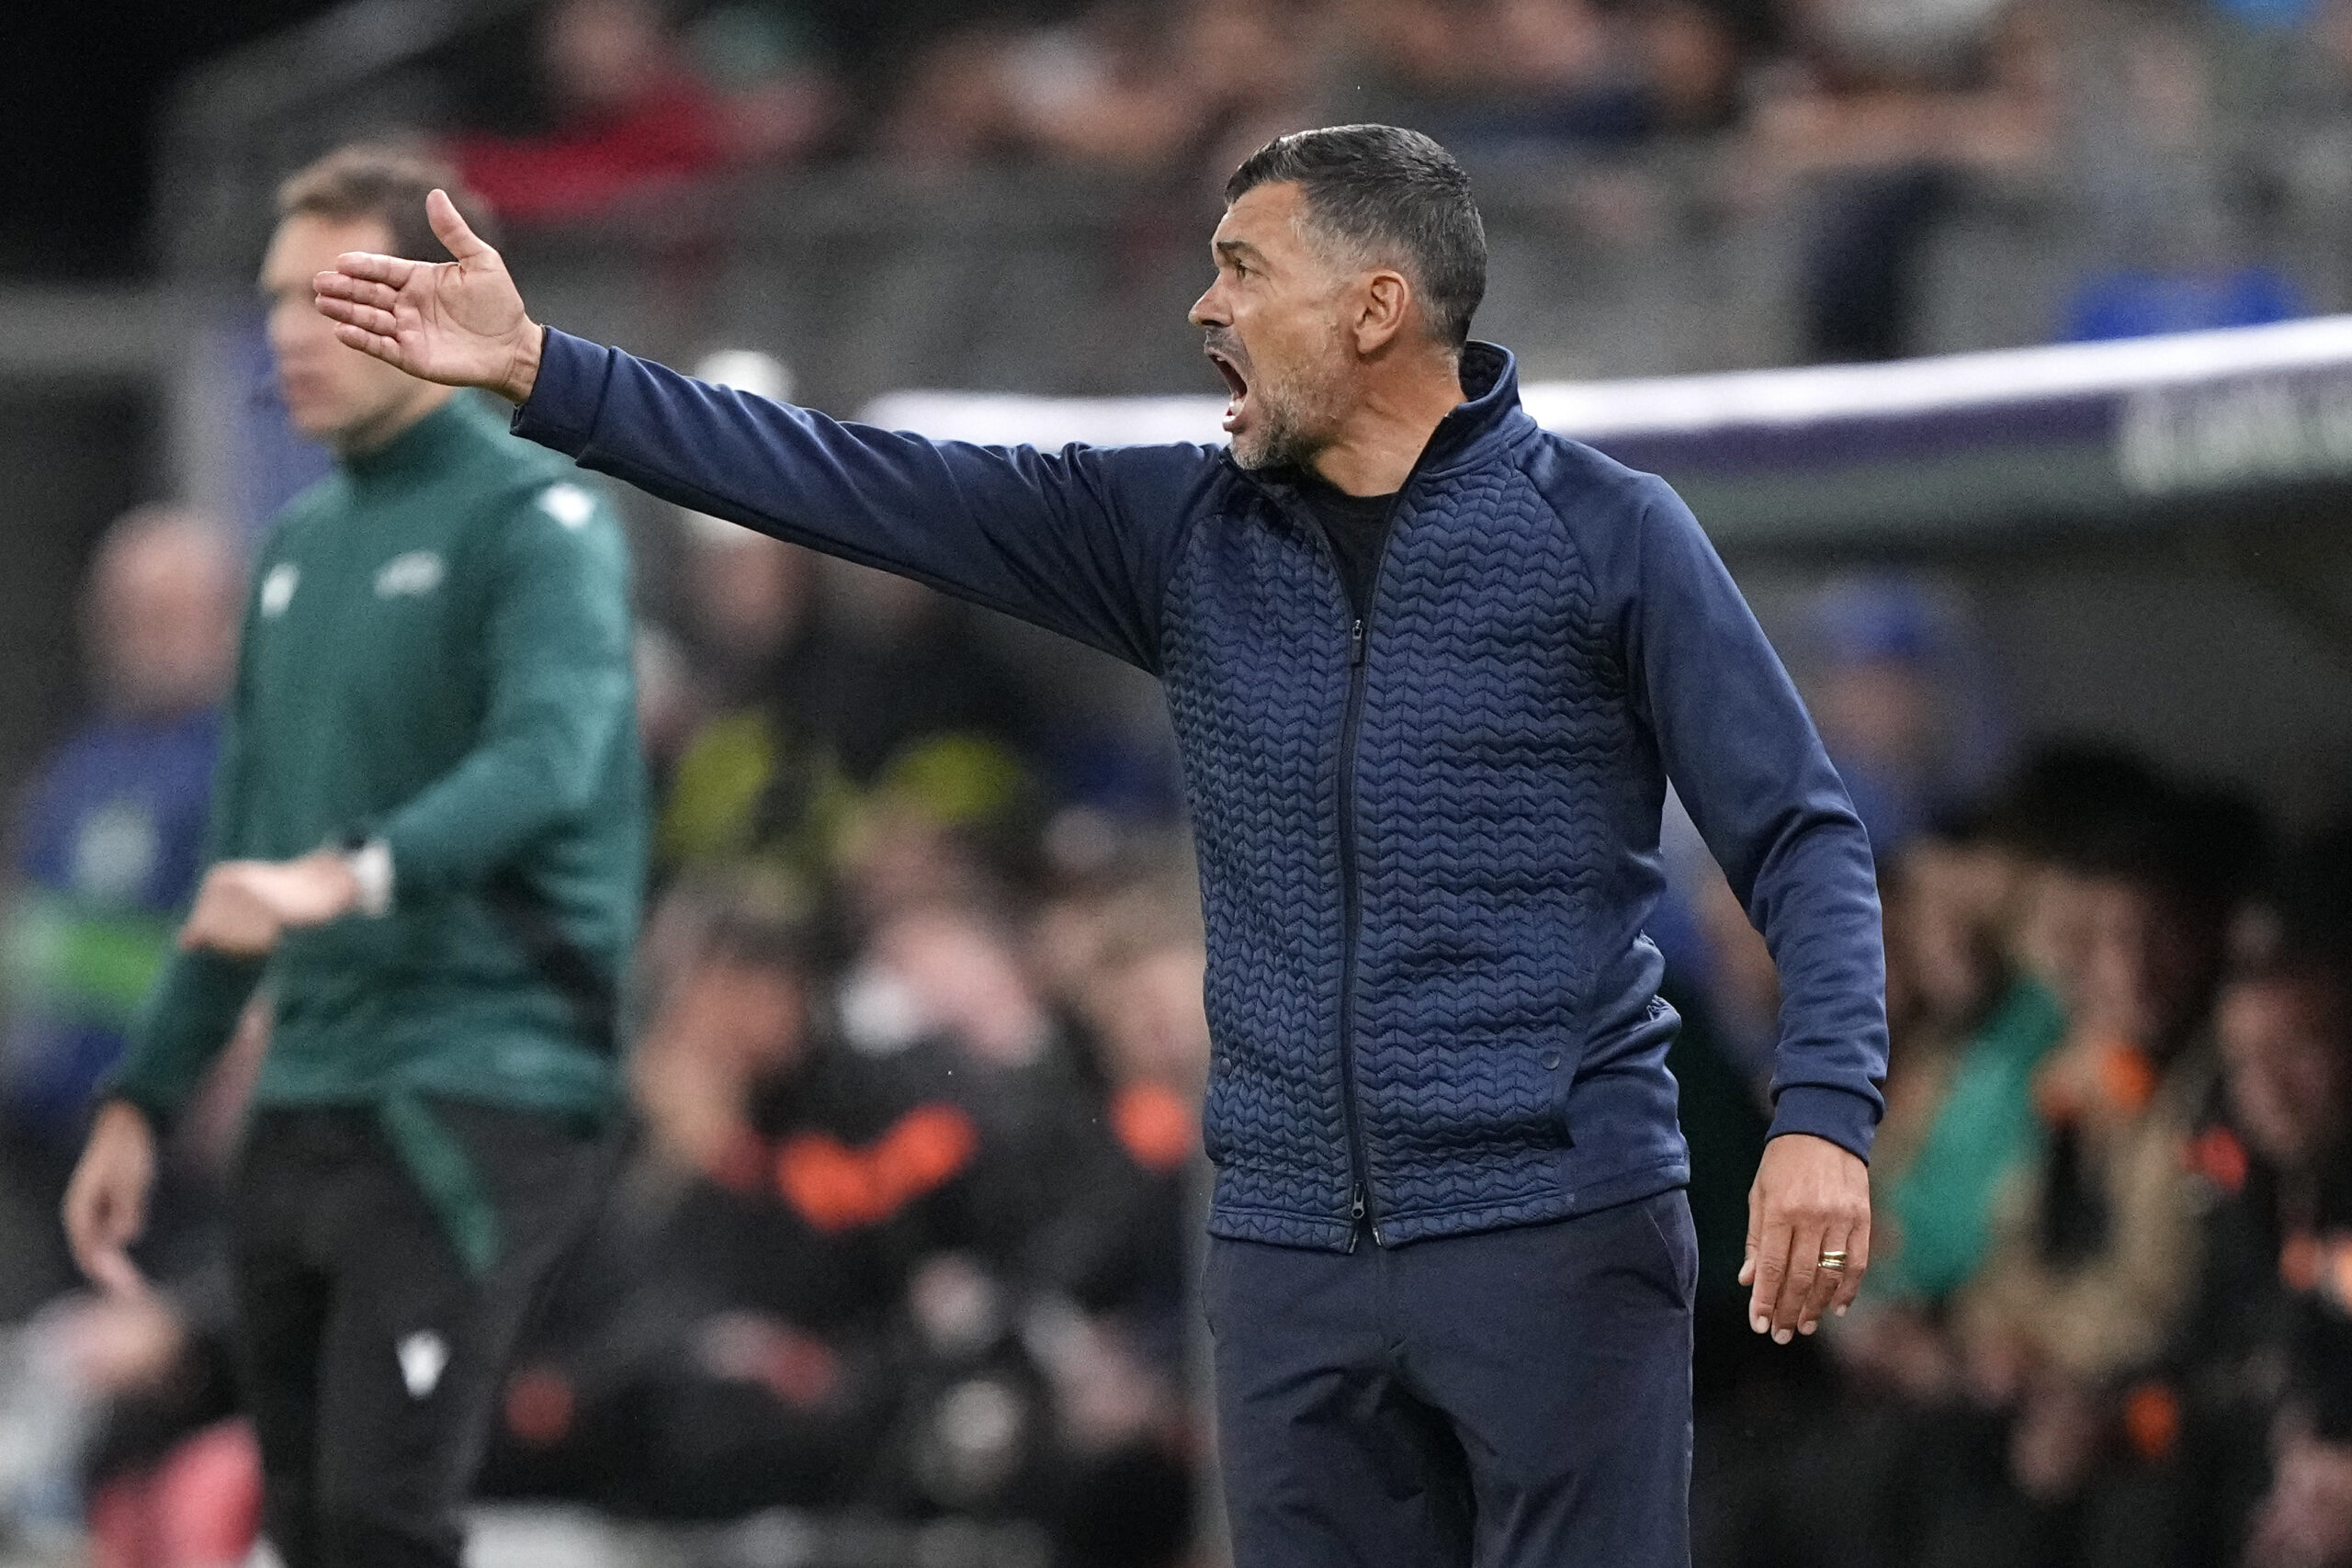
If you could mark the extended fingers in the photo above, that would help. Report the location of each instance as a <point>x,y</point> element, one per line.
<point>381,346</point>
<point>368,318</point>
<point>367,267</point>
<point>341,286</point>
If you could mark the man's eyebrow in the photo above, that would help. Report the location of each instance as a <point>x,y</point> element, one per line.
<point>1237,248</point>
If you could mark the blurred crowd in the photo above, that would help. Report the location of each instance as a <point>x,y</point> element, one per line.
<point>905,1223</point>
<point>2179,127</point>
<point>2110,1313</point>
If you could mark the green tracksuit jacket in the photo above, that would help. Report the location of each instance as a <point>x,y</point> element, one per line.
<point>437,652</point>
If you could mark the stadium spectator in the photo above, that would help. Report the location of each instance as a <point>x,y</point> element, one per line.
<point>2272,1161</point>
<point>106,851</point>
<point>2164,204</point>
<point>122,1407</point>
<point>1122,88</point>
<point>633,117</point>
<point>742,780</point>
<point>2094,1254</point>
<point>1867,124</point>
<point>1499,76</point>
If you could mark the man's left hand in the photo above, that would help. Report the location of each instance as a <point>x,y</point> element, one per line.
<point>245,904</point>
<point>1811,1198</point>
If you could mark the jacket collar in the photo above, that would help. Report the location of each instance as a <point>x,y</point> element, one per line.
<point>1490,407</point>
<point>1490,385</point>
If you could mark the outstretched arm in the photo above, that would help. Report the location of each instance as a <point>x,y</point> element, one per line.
<point>1079,541</point>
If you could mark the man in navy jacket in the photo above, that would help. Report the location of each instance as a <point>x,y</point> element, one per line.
<point>1430,668</point>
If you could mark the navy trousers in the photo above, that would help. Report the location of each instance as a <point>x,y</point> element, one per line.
<point>1516,1399</point>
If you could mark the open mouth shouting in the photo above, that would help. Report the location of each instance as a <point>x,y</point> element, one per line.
<point>1231,363</point>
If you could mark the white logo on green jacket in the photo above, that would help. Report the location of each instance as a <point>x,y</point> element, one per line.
<point>568,504</point>
<point>278,587</point>
<point>417,572</point>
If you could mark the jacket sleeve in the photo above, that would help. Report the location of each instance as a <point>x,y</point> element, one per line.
<point>1080,542</point>
<point>1749,766</point>
<point>188,1017</point>
<point>561,694</point>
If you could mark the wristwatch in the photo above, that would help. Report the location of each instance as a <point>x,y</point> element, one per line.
<point>371,860</point>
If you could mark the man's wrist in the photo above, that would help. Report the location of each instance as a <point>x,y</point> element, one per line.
<point>523,371</point>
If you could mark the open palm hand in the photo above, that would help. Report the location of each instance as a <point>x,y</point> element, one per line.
<point>460,322</point>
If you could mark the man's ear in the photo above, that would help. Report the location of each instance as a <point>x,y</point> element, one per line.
<point>1385,301</point>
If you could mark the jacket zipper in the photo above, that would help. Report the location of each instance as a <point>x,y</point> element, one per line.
<point>1360,1214</point>
<point>1352,926</point>
<point>1360,1209</point>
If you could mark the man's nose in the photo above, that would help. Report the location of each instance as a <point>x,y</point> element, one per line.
<point>1205,312</point>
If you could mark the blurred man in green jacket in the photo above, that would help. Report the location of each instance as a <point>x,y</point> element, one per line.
<point>429,840</point>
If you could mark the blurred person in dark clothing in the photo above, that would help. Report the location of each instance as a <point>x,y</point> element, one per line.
<point>1908,727</point>
<point>746,772</point>
<point>2292,1044</point>
<point>1112,1262</point>
<point>838,700</point>
<point>1692,55</point>
<point>2094,1254</point>
<point>1883,107</point>
<point>1123,1245</point>
<point>943,989</point>
<point>1056,1302</point>
<point>2273,1157</point>
<point>726,1342</point>
<point>105,850</point>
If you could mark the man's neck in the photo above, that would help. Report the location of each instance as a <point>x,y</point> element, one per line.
<point>1391,426</point>
<point>375,434</point>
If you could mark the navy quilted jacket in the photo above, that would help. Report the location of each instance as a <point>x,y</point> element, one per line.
<point>1428,840</point>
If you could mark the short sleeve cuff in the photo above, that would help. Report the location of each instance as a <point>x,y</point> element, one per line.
<point>1846,1120</point>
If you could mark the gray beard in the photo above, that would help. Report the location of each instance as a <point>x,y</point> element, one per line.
<point>1276,446</point>
<point>1283,440</point>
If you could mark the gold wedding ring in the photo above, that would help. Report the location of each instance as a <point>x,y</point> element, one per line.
<point>1833,1261</point>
